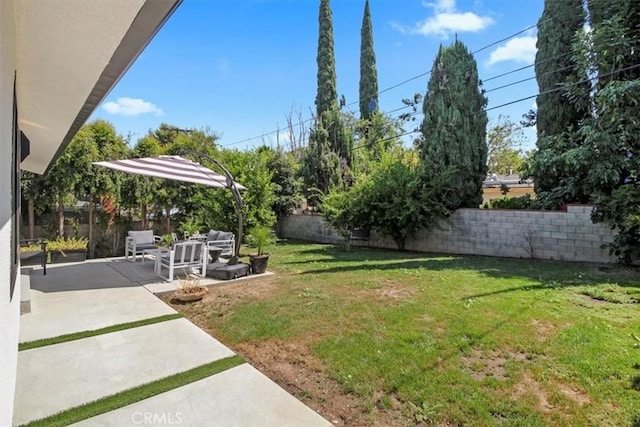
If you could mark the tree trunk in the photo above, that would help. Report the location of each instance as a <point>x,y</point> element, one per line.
<point>31,213</point>
<point>92,240</point>
<point>60,217</point>
<point>168,220</point>
<point>144,216</point>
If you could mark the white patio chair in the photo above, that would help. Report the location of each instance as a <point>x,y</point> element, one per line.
<point>184,257</point>
<point>137,241</point>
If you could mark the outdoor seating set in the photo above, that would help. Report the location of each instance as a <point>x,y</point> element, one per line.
<point>199,252</point>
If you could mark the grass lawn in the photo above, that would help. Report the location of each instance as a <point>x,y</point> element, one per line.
<point>408,338</point>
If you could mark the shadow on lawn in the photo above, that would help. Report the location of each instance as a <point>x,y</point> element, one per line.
<point>548,274</point>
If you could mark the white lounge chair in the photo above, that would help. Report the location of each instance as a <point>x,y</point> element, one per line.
<point>185,256</point>
<point>138,241</point>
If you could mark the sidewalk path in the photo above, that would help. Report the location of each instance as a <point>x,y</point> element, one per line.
<point>92,295</point>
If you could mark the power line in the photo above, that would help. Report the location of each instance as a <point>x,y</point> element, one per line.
<point>426,73</point>
<point>588,80</point>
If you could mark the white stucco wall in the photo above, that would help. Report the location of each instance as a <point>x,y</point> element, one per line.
<point>9,307</point>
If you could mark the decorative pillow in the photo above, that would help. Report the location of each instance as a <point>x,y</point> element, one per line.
<point>225,235</point>
<point>213,235</point>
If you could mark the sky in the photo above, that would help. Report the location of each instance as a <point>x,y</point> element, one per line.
<point>239,67</point>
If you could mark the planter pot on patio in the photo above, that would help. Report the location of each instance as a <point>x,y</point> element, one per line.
<point>258,263</point>
<point>73,255</point>
<point>31,258</point>
<point>192,296</point>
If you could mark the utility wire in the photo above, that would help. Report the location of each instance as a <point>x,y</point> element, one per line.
<point>379,92</point>
<point>591,79</point>
<point>409,80</point>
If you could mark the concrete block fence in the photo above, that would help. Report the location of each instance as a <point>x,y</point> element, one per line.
<point>559,235</point>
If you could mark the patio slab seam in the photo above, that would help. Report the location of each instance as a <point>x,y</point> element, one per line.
<point>23,346</point>
<point>138,393</point>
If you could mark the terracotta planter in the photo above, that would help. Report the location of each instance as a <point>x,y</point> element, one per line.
<point>193,296</point>
<point>258,263</point>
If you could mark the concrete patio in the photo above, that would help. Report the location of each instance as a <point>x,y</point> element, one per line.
<point>100,293</point>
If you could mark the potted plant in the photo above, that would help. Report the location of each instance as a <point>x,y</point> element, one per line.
<point>190,227</point>
<point>190,289</point>
<point>260,238</point>
<point>166,241</point>
<point>70,249</point>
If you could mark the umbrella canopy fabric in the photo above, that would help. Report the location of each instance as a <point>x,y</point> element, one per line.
<point>171,167</point>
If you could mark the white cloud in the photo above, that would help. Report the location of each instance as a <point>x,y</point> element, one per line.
<point>446,20</point>
<point>441,5</point>
<point>519,49</point>
<point>131,107</point>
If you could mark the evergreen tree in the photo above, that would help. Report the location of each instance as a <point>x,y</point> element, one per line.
<point>327,96</point>
<point>368,73</point>
<point>557,28</point>
<point>320,165</point>
<point>329,152</point>
<point>556,117</point>
<point>455,126</point>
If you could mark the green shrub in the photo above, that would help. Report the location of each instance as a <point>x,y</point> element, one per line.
<point>506,202</point>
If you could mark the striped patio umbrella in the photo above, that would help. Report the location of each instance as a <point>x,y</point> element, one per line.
<point>172,167</point>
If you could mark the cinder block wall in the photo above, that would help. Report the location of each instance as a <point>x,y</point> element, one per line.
<point>558,235</point>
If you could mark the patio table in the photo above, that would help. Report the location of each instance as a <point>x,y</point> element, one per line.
<point>156,254</point>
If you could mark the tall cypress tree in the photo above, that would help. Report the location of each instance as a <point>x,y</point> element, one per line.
<point>554,65</point>
<point>455,125</point>
<point>368,72</point>
<point>327,95</point>
<point>328,113</point>
<point>328,155</point>
<point>556,117</point>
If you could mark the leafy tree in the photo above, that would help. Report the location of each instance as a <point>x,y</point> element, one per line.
<point>286,186</point>
<point>368,72</point>
<point>96,141</point>
<point>379,133</point>
<point>454,126</point>
<point>615,39</point>
<point>556,118</point>
<point>139,191</point>
<point>215,208</point>
<point>599,162</point>
<point>33,189</point>
<point>502,157</point>
<point>394,199</point>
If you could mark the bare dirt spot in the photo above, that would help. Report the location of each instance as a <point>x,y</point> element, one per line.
<point>490,365</point>
<point>291,364</point>
<point>529,385</point>
<point>543,329</point>
<point>575,394</point>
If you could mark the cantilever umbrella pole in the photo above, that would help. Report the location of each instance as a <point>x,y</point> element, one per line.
<point>231,185</point>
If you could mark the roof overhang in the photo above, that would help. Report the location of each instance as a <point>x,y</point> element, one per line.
<point>69,55</point>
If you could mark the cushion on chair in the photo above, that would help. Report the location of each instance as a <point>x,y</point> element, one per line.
<point>213,235</point>
<point>142,237</point>
<point>225,235</point>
